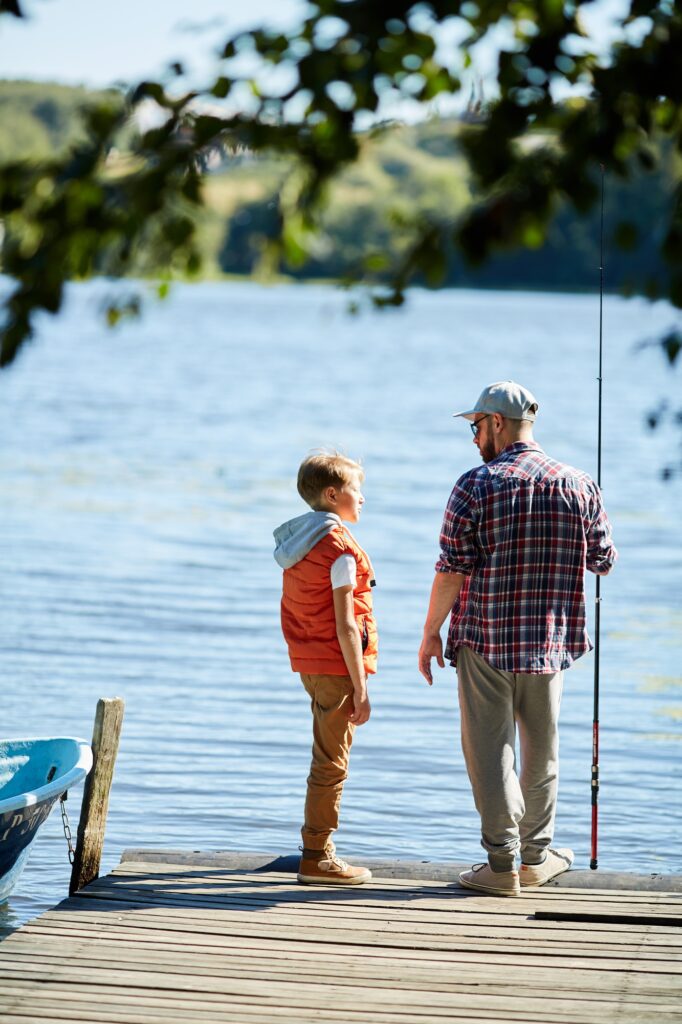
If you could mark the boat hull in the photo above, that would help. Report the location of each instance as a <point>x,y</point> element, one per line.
<point>34,773</point>
<point>18,829</point>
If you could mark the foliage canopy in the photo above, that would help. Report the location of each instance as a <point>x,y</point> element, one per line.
<point>304,94</point>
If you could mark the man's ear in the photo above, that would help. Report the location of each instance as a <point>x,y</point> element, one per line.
<point>498,423</point>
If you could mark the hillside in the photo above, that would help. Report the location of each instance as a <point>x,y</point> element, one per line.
<point>40,119</point>
<point>406,174</point>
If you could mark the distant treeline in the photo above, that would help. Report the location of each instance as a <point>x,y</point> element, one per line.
<point>406,174</point>
<point>38,119</point>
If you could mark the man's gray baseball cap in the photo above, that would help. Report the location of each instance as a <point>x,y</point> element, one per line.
<point>506,398</point>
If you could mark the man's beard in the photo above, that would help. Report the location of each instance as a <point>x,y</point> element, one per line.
<point>487,451</point>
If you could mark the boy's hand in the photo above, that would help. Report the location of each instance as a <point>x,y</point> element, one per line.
<point>432,647</point>
<point>360,710</point>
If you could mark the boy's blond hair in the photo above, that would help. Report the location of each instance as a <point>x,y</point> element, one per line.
<point>325,469</point>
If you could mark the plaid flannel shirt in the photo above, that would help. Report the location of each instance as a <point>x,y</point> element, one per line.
<point>523,529</point>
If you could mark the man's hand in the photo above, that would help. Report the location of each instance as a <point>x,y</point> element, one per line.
<point>444,593</point>
<point>432,647</point>
<point>360,709</point>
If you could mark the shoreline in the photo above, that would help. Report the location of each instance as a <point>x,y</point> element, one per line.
<point>428,871</point>
<point>217,277</point>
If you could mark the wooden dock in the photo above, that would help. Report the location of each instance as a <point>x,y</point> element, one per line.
<point>193,943</point>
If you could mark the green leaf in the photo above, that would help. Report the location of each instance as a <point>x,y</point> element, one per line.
<point>626,235</point>
<point>672,346</point>
<point>532,236</point>
<point>675,290</point>
<point>221,87</point>
<point>150,90</point>
<point>11,7</point>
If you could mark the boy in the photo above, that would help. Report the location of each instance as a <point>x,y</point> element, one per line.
<point>331,635</point>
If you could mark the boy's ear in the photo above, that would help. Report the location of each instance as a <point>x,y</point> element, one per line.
<point>329,495</point>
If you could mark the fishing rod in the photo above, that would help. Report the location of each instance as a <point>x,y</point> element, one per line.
<point>597,594</point>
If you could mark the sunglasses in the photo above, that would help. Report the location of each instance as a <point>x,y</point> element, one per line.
<point>475,425</point>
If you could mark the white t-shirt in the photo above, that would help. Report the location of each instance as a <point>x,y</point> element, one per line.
<point>343,572</point>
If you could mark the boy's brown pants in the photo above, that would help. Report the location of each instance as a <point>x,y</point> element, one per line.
<point>331,698</point>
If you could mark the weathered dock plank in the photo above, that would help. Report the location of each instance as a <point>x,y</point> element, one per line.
<point>401,869</point>
<point>161,942</point>
<point>443,937</point>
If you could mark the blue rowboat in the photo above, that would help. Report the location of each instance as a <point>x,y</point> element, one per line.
<point>33,775</point>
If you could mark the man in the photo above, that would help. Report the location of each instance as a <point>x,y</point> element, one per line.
<point>517,536</point>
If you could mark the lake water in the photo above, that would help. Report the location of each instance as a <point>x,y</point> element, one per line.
<point>143,471</point>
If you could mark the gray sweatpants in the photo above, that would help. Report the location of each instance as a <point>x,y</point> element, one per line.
<point>517,811</point>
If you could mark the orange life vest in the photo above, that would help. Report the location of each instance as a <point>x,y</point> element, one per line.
<point>308,619</point>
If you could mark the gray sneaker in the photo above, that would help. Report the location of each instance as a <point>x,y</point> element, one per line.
<point>555,863</point>
<point>495,883</point>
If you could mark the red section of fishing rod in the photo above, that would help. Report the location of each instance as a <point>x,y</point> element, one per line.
<point>595,728</point>
<point>595,735</point>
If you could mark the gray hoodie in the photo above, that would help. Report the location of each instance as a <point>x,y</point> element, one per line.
<point>298,536</point>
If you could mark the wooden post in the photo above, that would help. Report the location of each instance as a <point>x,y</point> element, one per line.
<point>93,819</point>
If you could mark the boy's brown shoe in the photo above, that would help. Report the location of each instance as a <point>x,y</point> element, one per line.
<point>323,867</point>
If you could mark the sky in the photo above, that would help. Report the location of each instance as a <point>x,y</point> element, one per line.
<point>99,42</point>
